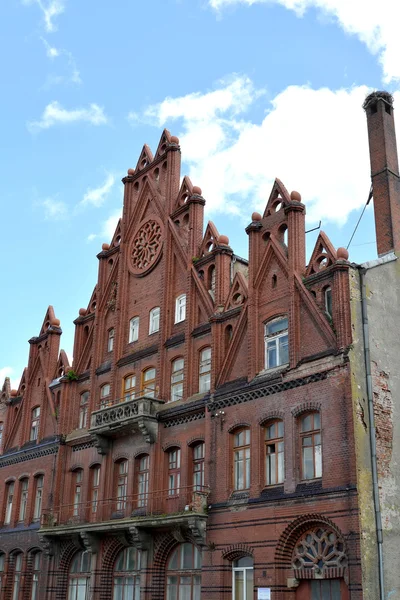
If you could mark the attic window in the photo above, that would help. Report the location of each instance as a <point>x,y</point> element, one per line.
<point>277,206</point>
<point>162,149</point>
<point>144,163</point>
<point>274,281</point>
<point>117,240</point>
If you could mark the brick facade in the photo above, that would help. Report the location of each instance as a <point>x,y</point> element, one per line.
<point>158,254</point>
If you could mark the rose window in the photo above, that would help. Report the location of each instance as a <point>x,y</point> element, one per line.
<point>146,246</point>
<point>319,549</point>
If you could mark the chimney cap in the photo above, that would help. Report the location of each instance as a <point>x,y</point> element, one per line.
<point>378,95</point>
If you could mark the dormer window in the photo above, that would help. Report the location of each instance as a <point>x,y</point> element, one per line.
<point>134,329</point>
<point>276,343</point>
<point>180,308</point>
<point>35,424</point>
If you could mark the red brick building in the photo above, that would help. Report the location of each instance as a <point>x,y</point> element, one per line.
<point>202,443</point>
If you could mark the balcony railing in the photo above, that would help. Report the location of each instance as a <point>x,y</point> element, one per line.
<point>191,499</point>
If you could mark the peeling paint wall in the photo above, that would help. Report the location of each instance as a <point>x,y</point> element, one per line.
<point>368,540</point>
<point>383,301</point>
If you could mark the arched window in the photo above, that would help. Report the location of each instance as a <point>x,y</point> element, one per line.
<point>198,466</point>
<point>134,329</point>
<point>243,579</point>
<point>149,382</point>
<point>23,499</point>
<point>177,375</point>
<point>9,501</point>
<point>143,474</point>
<point>36,560</point>
<point>105,392</point>
<point>184,573</point>
<point>274,453</point>
<point>122,483</point>
<point>94,484</point>
<point>241,459</point>
<point>180,308</point>
<point>154,320</point>
<point>276,343</point>
<point>35,421</point>
<point>39,480</point>
<point>205,370</point>
<point>79,577</point>
<point>174,471</point>
<point>17,575</point>
<point>110,339</point>
<point>328,301</point>
<point>311,450</point>
<point>129,387</point>
<point>77,492</point>
<point>83,410</point>
<point>127,575</point>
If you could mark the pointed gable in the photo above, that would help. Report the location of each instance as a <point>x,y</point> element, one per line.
<point>165,140</point>
<point>279,196</point>
<point>238,293</point>
<point>116,239</point>
<point>210,239</point>
<point>62,365</point>
<point>185,192</point>
<point>50,320</point>
<point>323,256</point>
<point>145,158</point>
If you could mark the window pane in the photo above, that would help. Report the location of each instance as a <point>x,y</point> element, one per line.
<point>271,354</point>
<point>318,461</point>
<point>317,421</point>
<point>249,584</point>
<point>306,423</point>
<point>239,584</point>
<point>308,464</point>
<point>283,350</point>
<point>277,326</point>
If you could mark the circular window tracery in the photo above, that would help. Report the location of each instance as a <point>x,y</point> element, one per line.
<point>319,549</point>
<point>146,246</point>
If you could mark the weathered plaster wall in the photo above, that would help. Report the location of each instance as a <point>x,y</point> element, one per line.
<point>383,300</point>
<point>368,540</point>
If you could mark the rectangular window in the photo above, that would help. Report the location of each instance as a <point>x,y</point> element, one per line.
<point>83,410</point>
<point>276,343</point>
<point>143,480</point>
<point>95,487</point>
<point>180,308</point>
<point>198,466</point>
<point>274,446</point>
<point>35,424</point>
<point>129,388</point>
<point>105,392</point>
<point>35,576</point>
<point>241,460</point>
<point>110,340</point>
<point>177,379</point>
<point>154,322</point>
<point>38,497</point>
<point>23,499</point>
<point>9,502</point>
<point>174,474</point>
<point>311,449</point>
<point>149,383</point>
<point>134,329</point>
<point>122,484</point>
<point>78,492</point>
<point>205,370</point>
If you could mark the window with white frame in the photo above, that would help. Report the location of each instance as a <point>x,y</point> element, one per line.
<point>198,466</point>
<point>17,576</point>
<point>143,473</point>
<point>177,376</point>
<point>105,392</point>
<point>79,577</point>
<point>134,329</point>
<point>35,422</point>
<point>77,506</point>
<point>180,308</point>
<point>311,449</point>
<point>174,471</point>
<point>205,370</point>
<point>154,320</point>
<point>126,585</point>
<point>23,500</point>
<point>2,567</point>
<point>83,410</point>
<point>110,340</point>
<point>276,343</point>
<point>36,560</point>
<point>9,501</point>
<point>241,459</point>
<point>243,578</point>
<point>39,480</point>
<point>274,453</point>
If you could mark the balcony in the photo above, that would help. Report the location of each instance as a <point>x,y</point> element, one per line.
<point>125,415</point>
<point>133,516</point>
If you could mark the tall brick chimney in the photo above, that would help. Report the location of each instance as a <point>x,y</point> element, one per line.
<point>384,170</point>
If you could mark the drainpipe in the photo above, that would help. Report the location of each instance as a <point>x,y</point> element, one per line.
<point>372,433</point>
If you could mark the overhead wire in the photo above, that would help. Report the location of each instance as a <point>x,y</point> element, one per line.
<point>361,216</point>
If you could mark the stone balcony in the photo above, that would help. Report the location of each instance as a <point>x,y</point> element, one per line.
<point>134,517</point>
<point>123,416</point>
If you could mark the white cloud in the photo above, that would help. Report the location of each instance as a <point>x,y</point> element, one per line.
<point>315,141</point>
<point>108,228</point>
<point>97,196</point>
<point>375,25</point>
<point>54,210</point>
<point>51,51</point>
<point>8,372</point>
<point>55,114</point>
<point>50,9</point>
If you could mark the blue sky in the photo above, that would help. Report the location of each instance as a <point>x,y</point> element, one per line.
<point>254,89</point>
